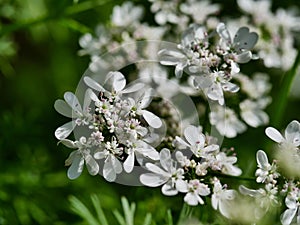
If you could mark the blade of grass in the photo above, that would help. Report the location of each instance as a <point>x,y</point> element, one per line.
<point>119,217</point>
<point>99,211</point>
<point>79,208</point>
<point>169,217</point>
<point>148,219</point>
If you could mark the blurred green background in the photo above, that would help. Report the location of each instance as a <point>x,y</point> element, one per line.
<point>38,63</point>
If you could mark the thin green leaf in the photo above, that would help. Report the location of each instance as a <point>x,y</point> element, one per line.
<point>128,211</point>
<point>79,208</point>
<point>75,25</point>
<point>148,219</point>
<point>119,217</point>
<point>99,211</point>
<point>169,217</point>
<point>283,93</point>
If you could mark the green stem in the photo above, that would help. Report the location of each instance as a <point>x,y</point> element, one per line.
<point>233,177</point>
<point>69,11</point>
<point>281,100</point>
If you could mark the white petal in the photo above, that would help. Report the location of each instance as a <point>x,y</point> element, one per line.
<point>129,163</point>
<point>76,168</point>
<point>118,80</point>
<point>292,132</point>
<point>109,172</point>
<point>214,201</point>
<point>228,86</point>
<point>193,135</point>
<point>223,32</point>
<point>181,186</point>
<point>153,120</point>
<point>251,192</point>
<point>93,84</point>
<point>244,39</point>
<point>63,108</point>
<point>155,169</point>
<point>152,180</point>
<point>234,68</point>
<point>191,199</point>
<point>149,152</point>
<point>182,142</point>
<point>168,190</point>
<point>179,70</point>
<point>290,202</point>
<point>133,88</point>
<point>99,155</point>
<point>116,164</point>
<point>287,217</point>
<point>262,159</point>
<point>224,207</point>
<point>68,143</point>
<point>87,100</point>
<point>274,134</point>
<point>165,159</point>
<point>73,102</point>
<point>65,130</point>
<point>146,98</point>
<point>91,165</point>
<point>244,57</point>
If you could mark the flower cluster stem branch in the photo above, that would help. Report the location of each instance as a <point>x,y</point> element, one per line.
<point>281,100</point>
<point>233,177</point>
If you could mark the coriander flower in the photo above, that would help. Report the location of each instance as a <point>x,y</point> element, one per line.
<point>169,175</point>
<point>71,108</point>
<point>78,157</point>
<point>195,190</point>
<point>291,139</point>
<point>293,212</point>
<point>266,173</point>
<point>196,142</point>
<point>221,198</point>
<point>225,163</point>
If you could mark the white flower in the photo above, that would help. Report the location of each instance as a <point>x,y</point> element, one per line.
<point>252,112</point>
<point>169,175</point>
<point>138,147</point>
<point>196,142</point>
<point>291,139</point>
<point>266,173</point>
<point>112,165</point>
<point>293,211</point>
<point>226,122</point>
<point>126,15</point>
<point>195,190</point>
<point>138,107</point>
<point>226,164</point>
<point>221,198</point>
<point>78,157</point>
<point>117,85</point>
<point>71,108</point>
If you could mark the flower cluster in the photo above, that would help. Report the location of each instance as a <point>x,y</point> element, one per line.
<point>193,170</point>
<point>277,178</point>
<point>116,127</point>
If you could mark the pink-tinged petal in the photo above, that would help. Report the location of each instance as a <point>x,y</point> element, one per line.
<point>153,120</point>
<point>262,159</point>
<point>91,165</point>
<point>168,190</point>
<point>287,217</point>
<point>109,172</point>
<point>193,135</point>
<point>133,88</point>
<point>73,102</point>
<point>152,180</point>
<point>93,84</point>
<point>165,159</point>
<point>129,163</point>
<point>292,132</point>
<point>76,168</point>
<point>65,130</point>
<point>274,134</point>
<point>63,108</point>
<point>155,169</point>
